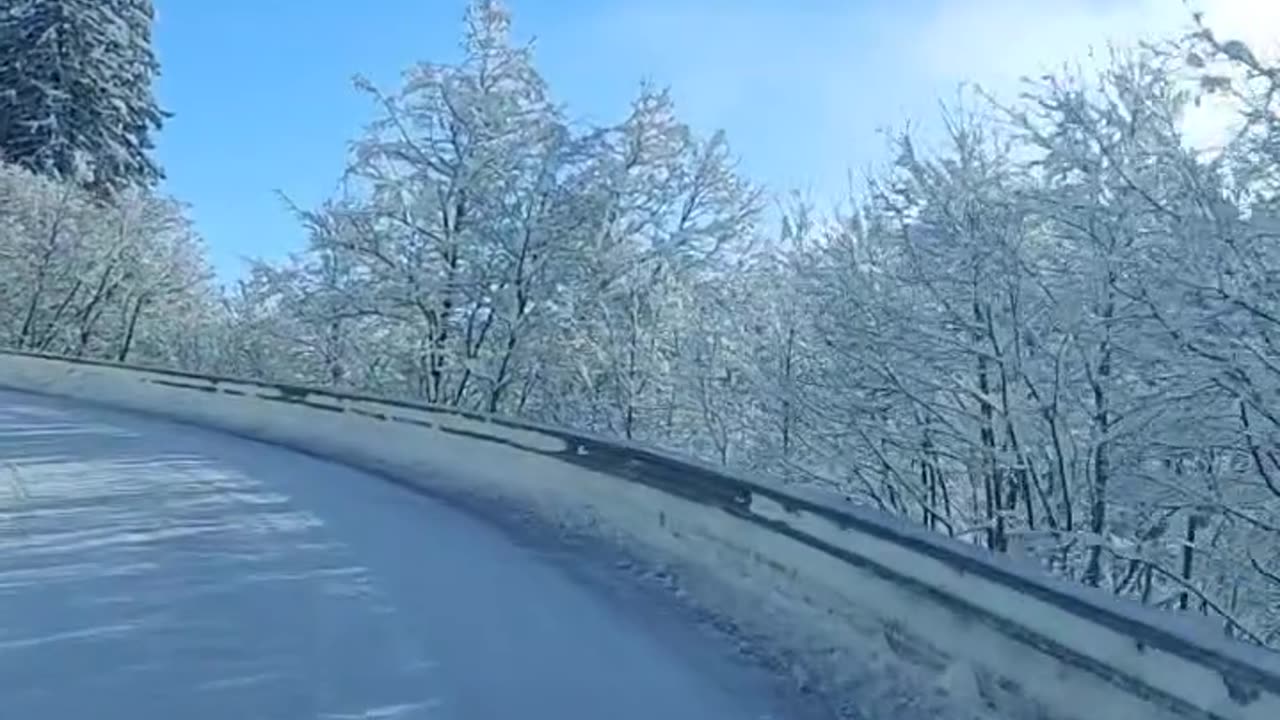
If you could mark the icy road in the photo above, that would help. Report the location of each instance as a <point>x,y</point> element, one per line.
<point>150,571</point>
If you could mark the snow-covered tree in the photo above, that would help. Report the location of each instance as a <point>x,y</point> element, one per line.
<point>663,211</point>
<point>75,91</point>
<point>454,201</point>
<point>122,280</point>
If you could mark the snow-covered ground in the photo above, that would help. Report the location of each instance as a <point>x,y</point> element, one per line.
<point>877,619</point>
<point>150,571</point>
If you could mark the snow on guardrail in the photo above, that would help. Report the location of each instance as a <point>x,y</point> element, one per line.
<point>836,586</point>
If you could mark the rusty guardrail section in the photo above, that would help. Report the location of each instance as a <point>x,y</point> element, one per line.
<point>837,586</point>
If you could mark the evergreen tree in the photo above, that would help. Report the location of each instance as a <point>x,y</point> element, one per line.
<point>75,91</point>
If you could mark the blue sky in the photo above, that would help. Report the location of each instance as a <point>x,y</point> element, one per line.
<point>263,101</point>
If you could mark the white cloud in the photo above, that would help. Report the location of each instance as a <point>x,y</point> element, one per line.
<point>1257,23</point>
<point>995,42</point>
<point>802,90</point>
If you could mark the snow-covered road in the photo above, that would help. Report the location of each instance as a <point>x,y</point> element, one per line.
<point>150,571</point>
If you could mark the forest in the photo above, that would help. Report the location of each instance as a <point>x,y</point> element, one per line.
<point>1053,330</point>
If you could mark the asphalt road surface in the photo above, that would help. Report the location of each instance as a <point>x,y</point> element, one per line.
<point>151,571</point>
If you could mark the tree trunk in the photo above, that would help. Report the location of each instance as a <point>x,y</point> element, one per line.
<point>1101,451</point>
<point>127,344</point>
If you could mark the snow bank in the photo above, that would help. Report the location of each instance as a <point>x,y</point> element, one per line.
<point>836,587</point>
